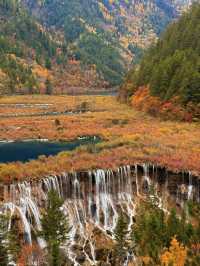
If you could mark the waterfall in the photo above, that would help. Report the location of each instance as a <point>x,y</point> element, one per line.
<point>136,180</point>
<point>190,187</point>
<point>146,175</point>
<point>93,201</point>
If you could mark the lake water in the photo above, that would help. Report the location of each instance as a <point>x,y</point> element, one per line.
<point>27,150</point>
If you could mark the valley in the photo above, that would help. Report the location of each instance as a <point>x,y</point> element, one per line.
<point>50,47</point>
<point>99,133</point>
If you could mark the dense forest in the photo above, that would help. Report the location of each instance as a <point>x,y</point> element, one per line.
<point>156,237</point>
<point>169,70</point>
<point>107,34</point>
<point>23,43</point>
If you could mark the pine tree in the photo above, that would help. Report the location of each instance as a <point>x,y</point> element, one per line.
<point>173,225</point>
<point>13,243</point>
<point>55,227</point>
<point>49,87</point>
<point>48,63</point>
<point>3,253</point>
<point>120,235</point>
<point>31,84</point>
<point>3,245</point>
<point>170,68</point>
<point>9,243</point>
<point>149,231</point>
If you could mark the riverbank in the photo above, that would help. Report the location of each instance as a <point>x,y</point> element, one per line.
<point>128,136</point>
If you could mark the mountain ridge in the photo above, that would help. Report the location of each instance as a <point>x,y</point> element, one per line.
<point>105,36</point>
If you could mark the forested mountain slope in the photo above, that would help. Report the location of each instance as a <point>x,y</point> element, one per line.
<point>26,49</point>
<point>169,73</point>
<point>107,33</point>
<point>51,45</point>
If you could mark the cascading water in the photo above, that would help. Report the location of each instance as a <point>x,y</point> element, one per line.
<point>190,187</point>
<point>92,201</point>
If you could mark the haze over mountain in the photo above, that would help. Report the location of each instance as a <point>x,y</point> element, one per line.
<point>103,37</point>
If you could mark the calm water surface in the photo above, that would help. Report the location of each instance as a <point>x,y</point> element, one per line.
<point>27,150</point>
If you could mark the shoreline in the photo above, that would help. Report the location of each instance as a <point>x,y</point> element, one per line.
<point>71,167</point>
<point>128,137</point>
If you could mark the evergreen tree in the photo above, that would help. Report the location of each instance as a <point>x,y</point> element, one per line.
<point>170,68</point>
<point>179,227</point>
<point>173,225</point>
<point>120,236</point>
<point>31,84</point>
<point>55,228</point>
<point>48,63</point>
<point>9,243</point>
<point>49,87</point>
<point>149,231</point>
<point>13,243</point>
<point>3,240</point>
<point>154,229</point>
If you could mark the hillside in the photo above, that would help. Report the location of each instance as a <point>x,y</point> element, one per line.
<point>60,46</point>
<point>27,50</point>
<point>107,34</point>
<point>168,77</point>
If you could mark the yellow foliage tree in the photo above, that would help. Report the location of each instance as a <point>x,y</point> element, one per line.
<point>176,254</point>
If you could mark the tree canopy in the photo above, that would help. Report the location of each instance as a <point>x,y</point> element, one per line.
<point>171,67</point>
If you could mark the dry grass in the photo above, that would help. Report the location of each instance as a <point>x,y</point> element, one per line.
<point>128,136</point>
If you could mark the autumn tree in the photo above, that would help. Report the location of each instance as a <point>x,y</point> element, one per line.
<point>57,122</point>
<point>170,68</point>
<point>85,106</point>
<point>55,227</point>
<point>154,229</point>
<point>176,255</point>
<point>31,255</point>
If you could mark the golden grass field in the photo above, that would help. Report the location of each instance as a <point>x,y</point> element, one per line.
<point>128,136</point>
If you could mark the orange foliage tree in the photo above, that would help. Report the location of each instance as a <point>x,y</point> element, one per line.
<point>176,255</point>
<point>31,255</point>
<point>172,110</point>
